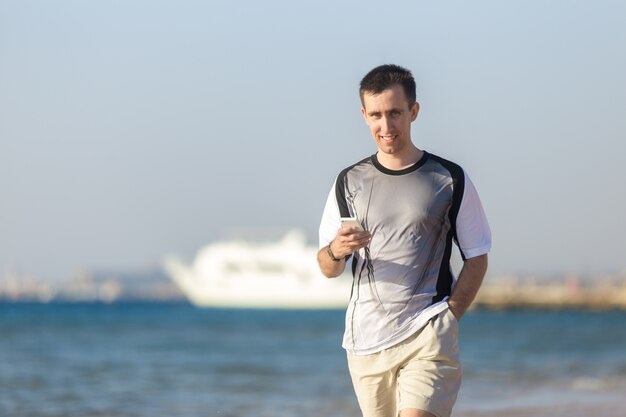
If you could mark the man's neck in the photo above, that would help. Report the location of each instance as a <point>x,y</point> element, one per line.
<point>400,161</point>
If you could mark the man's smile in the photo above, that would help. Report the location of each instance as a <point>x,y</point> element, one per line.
<point>388,138</point>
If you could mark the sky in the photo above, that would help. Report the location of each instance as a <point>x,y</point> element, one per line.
<point>132,129</point>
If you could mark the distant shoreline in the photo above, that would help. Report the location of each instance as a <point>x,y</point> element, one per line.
<point>478,305</point>
<point>570,295</point>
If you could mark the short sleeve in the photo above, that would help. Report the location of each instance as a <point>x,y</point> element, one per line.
<point>331,219</point>
<point>472,230</point>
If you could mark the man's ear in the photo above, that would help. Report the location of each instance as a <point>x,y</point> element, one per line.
<point>364,114</point>
<point>415,110</point>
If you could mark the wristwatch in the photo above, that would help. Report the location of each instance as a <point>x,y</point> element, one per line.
<point>331,254</point>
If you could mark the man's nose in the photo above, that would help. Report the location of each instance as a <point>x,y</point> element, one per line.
<point>385,124</point>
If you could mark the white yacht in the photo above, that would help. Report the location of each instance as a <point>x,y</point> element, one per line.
<point>238,273</point>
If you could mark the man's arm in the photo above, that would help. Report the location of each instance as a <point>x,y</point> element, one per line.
<point>347,241</point>
<point>467,285</point>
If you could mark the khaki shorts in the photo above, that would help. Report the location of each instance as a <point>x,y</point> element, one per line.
<point>422,372</point>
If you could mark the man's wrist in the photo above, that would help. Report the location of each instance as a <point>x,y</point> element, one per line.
<point>456,309</point>
<point>330,253</point>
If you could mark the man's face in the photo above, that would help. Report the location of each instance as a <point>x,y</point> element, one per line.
<point>389,118</point>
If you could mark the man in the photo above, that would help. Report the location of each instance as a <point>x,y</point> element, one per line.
<point>401,322</point>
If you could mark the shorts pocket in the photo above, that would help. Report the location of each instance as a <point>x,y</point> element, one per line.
<point>452,316</point>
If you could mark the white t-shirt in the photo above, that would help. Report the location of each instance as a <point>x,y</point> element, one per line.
<point>403,278</point>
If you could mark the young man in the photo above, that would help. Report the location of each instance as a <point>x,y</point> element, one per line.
<point>402,319</point>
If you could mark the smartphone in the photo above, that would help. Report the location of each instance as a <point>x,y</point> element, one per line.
<point>351,222</point>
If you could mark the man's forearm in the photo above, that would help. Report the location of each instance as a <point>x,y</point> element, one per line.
<point>470,279</point>
<point>328,266</point>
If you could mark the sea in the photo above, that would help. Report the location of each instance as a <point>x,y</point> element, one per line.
<point>173,359</point>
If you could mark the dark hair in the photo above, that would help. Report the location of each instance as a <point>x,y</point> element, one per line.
<point>386,76</point>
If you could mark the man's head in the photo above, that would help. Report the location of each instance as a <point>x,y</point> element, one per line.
<point>389,108</point>
<point>386,76</point>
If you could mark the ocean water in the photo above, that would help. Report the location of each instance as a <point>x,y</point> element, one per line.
<point>178,360</point>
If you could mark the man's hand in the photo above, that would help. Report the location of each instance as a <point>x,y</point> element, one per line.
<point>347,241</point>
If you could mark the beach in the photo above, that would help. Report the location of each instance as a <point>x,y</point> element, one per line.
<point>158,359</point>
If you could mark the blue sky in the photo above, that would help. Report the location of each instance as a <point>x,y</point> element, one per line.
<point>134,129</point>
